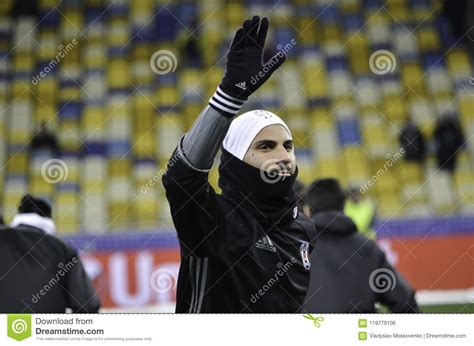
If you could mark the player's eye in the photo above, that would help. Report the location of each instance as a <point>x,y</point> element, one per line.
<point>267,145</point>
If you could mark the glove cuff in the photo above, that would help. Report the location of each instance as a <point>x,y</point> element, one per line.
<point>225,103</point>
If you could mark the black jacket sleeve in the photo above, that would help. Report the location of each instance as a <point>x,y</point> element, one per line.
<point>195,210</point>
<point>400,299</point>
<point>78,287</point>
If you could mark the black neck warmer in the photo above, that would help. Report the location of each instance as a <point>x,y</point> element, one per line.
<point>271,200</point>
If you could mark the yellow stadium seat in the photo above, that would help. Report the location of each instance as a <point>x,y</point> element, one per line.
<point>389,206</point>
<point>5,7</point>
<point>458,62</point>
<point>118,32</point>
<point>394,110</point>
<point>95,55</point>
<point>21,89</point>
<point>145,210</point>
<point>411,172</point>
<point>412,77</point>
<point>119,215</point>
<point>17,164</point>
<point>466,106</point>
<point>119,167</point>
<point>350,6</point>
<point>144,145</point>
<point>331,33</point>
<point>117,74</point>
<point>40,187</point>
<point>167,96</point>
<point>328,167</point>
<point>235,13</point>
<point>357,47</point>
<point>92,121</point>
<point>23,63</point>
<point>429,40</point>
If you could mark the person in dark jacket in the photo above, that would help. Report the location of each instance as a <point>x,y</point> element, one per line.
<point>449,139</point>
<point>44,140</point>
<point>246,249</point>
<point>39,272</point>
<point>299,189</point>
<point>35,214</point>
<point>412,142</point>
<point>349,273</point>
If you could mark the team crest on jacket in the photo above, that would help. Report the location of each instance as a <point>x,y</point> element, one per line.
<point>304,251</point>
<point>295,212</point>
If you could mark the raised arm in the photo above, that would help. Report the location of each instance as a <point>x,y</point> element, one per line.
<point>245,73</point>
<point>192,200</point>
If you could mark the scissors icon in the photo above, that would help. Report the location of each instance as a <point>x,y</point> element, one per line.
<point>316,320</point>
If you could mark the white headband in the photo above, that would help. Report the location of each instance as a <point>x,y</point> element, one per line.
<point>245,128</point>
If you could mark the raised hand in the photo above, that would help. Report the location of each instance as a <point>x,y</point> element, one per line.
<point>245,69</point>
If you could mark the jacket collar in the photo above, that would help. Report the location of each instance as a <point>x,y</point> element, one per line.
<point>270,201</point>
<point>34,220</point>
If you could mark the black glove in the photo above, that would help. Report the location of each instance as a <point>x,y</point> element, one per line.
<point>245,69</point>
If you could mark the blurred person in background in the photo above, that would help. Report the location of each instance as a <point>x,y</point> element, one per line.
<point>252,236</point>
<point>448,141</point>
<point>188,41</point>
<point>361,211</point>
<point>34,214</point>
<point>44,141</point>
<point>38,271</point>
<point>349,273</point>
<point>412,142</point>
<point>460,16</point>
<point>299,189</point>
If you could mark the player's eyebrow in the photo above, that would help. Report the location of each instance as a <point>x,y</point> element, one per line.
<point>271,143</point>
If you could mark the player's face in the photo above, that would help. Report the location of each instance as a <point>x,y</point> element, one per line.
<point>272,151</point>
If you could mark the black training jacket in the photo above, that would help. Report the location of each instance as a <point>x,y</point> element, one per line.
<point>41,273</point>
<point>229,261</point>
<point>352,274</point>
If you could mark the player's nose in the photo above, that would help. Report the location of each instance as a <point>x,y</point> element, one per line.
<point>282,154</point>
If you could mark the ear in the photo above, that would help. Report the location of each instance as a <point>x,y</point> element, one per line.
<point>306,210</point>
